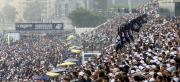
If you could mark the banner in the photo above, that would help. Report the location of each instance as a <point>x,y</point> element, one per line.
<point>38,26</point>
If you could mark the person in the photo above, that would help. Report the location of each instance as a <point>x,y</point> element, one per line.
<point>75,77</point>
<point>81,77</point>
<point>66,79</point>
<point>87,75</point>
<point>58,26</point>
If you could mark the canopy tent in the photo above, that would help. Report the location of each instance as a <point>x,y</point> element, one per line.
<point>71,60</point>
<point>52,74</point>
<point>71,36</point>
<point>68,53</point>
<point>44,77</point>
<point>72,44</point>
<point>72,47</point>
<point>67,63</point>
<point>68,43</point>
<point>58,70</point>
<point>72,40</point>
<point>76,51</point>
<point>76,48</point>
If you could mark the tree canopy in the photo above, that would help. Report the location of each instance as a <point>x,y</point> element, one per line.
<point>10,13</point>
<point>33,10</point>
<point>86,18</point>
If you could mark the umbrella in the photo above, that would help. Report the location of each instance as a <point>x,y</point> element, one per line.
<point>71,36</point>
<point>67,63</point>
<point>68,53</point>
<point>72,47</point>
<point>44,77</point>
<point>76,48</point>
<point>76,51</point>
<point>74,44</point>
<point>52,74</point>
<point>71,60</point>
<point>68,43</point>
<point>58,70</point>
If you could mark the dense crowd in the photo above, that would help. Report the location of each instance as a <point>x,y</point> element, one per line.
<point>153,56</point>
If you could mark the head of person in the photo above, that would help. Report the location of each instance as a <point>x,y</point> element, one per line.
<point>101,74</point>
<point>159,78</point>
<point>174,73</point>
<point>87,73</point>
<point>80,75</point>
<point>66,80</point>
<point>74,75</point>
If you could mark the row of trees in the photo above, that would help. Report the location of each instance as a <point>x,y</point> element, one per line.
<point>34,10</point>
<point>86,18</point>
<point>9,13</point>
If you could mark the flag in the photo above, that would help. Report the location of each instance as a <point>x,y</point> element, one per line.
<point>123,38</point>
<point>118,40</point>
<point>127,32</point>
<point>144,17</point>
<point>136,25</point>
<point>131,34</point>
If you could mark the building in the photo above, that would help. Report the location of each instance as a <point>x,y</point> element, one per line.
<point>64,7</point>
<point>20,6</point>
<point>89,4</point>
<point>47,8</point>
<point>2,5</point>
<point>100,5</point>
<point>169,7</point>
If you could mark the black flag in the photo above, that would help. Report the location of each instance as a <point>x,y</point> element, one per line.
<point>123,37</point>
<point>118,40</point>
<point>136,25</point>
<point>126,31</point>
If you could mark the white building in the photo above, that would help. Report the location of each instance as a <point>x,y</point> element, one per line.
<point>2,4</point>
<point>47,9</point>
<point>64,7</point>
<point>169,7</point>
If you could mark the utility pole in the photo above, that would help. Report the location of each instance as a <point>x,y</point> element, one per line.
<point>113,2</point>
<point>129,5</point>
<point>3,22</point>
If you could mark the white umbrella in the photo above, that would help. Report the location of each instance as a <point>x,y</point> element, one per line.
<point>58,70</point>
<point>71,60</point>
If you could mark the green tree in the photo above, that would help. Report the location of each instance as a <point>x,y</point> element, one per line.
<point>10,13</point>
<point>20,20</point>
<point>33,10</point>
<point>86,18</point>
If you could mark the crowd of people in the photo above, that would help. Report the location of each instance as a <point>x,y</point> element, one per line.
<point>153,56</point>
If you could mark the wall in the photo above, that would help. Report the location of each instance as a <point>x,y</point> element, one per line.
<point>83,29</point>
<point>2,4</point>
<point>21,5</point>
